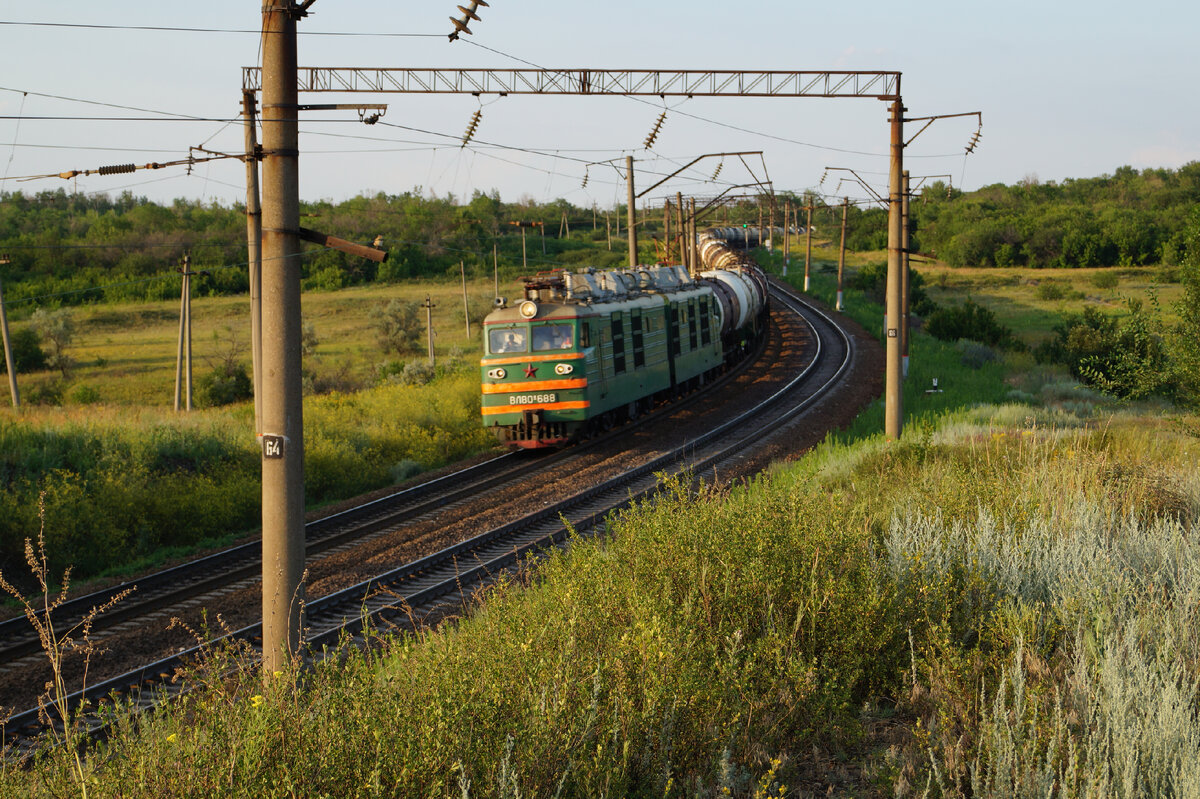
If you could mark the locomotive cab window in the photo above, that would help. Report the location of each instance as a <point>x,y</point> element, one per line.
<point>552,337</point>
<point>506,340</point>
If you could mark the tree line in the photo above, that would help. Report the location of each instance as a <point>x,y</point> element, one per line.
<point>70,249</point>
<point>1129,218</point>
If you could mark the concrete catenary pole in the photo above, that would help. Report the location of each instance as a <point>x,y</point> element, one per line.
<point>495,270</point>
<point>183,359</point>
<point>9,364</point>
<point>893,410</point>
<point>787,235</point>
<point>771,225</point>
<point>466,307</point>
<point>904,277</point>
<point>842,253</point>
<point>667,230</point>
<point>683,255</point>
<point>693,252</point>
<point>282,408</point>
<point>254,252</point>
<point>428,305</point>
<point>633,254</point>
<point>808,244</point>
<point>187,294</point>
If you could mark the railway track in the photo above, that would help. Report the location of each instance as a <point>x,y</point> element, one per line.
<point>419,586</point>
<point>230,567</point>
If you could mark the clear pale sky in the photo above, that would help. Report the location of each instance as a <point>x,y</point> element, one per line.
<point>1067,89</point>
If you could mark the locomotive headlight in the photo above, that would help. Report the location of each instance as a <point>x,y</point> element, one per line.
<point>563,369</point>
<point>529,309</point>
<point>497,374</point>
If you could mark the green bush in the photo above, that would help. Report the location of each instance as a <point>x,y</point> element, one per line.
<point>871,279</point>
<point>974,354</point>
<point>1126,357</point>
<point>27,351</point>
<point>1051,290</point>
<point>227,383</point>
<point>398,326</point>
<point>84,394</point>
<point>44,392</point>
<point>1108,279</point>
<point>971,321</point>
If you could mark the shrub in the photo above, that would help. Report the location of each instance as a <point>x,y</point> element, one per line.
<point>46,392</point>
<point>1127,359</point>
<point>1168,274</point>
<point>84,394</point>
<point>398,326</point>
<point>1051,290</point>
<point>227,383</point>
<point>326,381</point>
<point>872,280</point>
<point>57,329</point>
<point>971,321</point>
<point>404,470</point>
<point>974,354</point>
<point>416,373</point>
<point>27,351</point>
<point>1106,280</point>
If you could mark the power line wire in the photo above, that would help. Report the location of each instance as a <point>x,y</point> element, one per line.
<point>181,29</point>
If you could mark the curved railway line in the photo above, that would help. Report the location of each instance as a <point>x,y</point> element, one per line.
<point>580,485</point>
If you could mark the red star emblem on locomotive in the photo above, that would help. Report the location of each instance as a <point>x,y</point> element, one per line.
<point>531,371</point>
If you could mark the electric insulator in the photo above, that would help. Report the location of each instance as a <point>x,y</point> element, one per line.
<point>717,171</point>
<point>585,180</point>
<point>974,141</point>
<point>474,123</point>
<point>654,132</point>
<point>118,169</point>
<point>460,25</point>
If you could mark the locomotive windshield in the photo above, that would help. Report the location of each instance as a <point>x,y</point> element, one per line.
<point>552,337</point>
<point>507,340</point>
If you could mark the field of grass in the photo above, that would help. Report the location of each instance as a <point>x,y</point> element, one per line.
<point>1005,603</point>
<point>125,354</point>
<point>1031,301</point>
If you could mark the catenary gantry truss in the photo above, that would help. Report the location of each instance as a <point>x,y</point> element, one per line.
<point>629,82</point>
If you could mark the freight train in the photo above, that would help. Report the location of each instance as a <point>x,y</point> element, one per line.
<point>586,350</point>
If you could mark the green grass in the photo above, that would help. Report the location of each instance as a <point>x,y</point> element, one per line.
<point>127,489</point>
<point>1003,602</point>
<point>125,353</point>
<point>1020,299</point>
<point>996,588</point>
